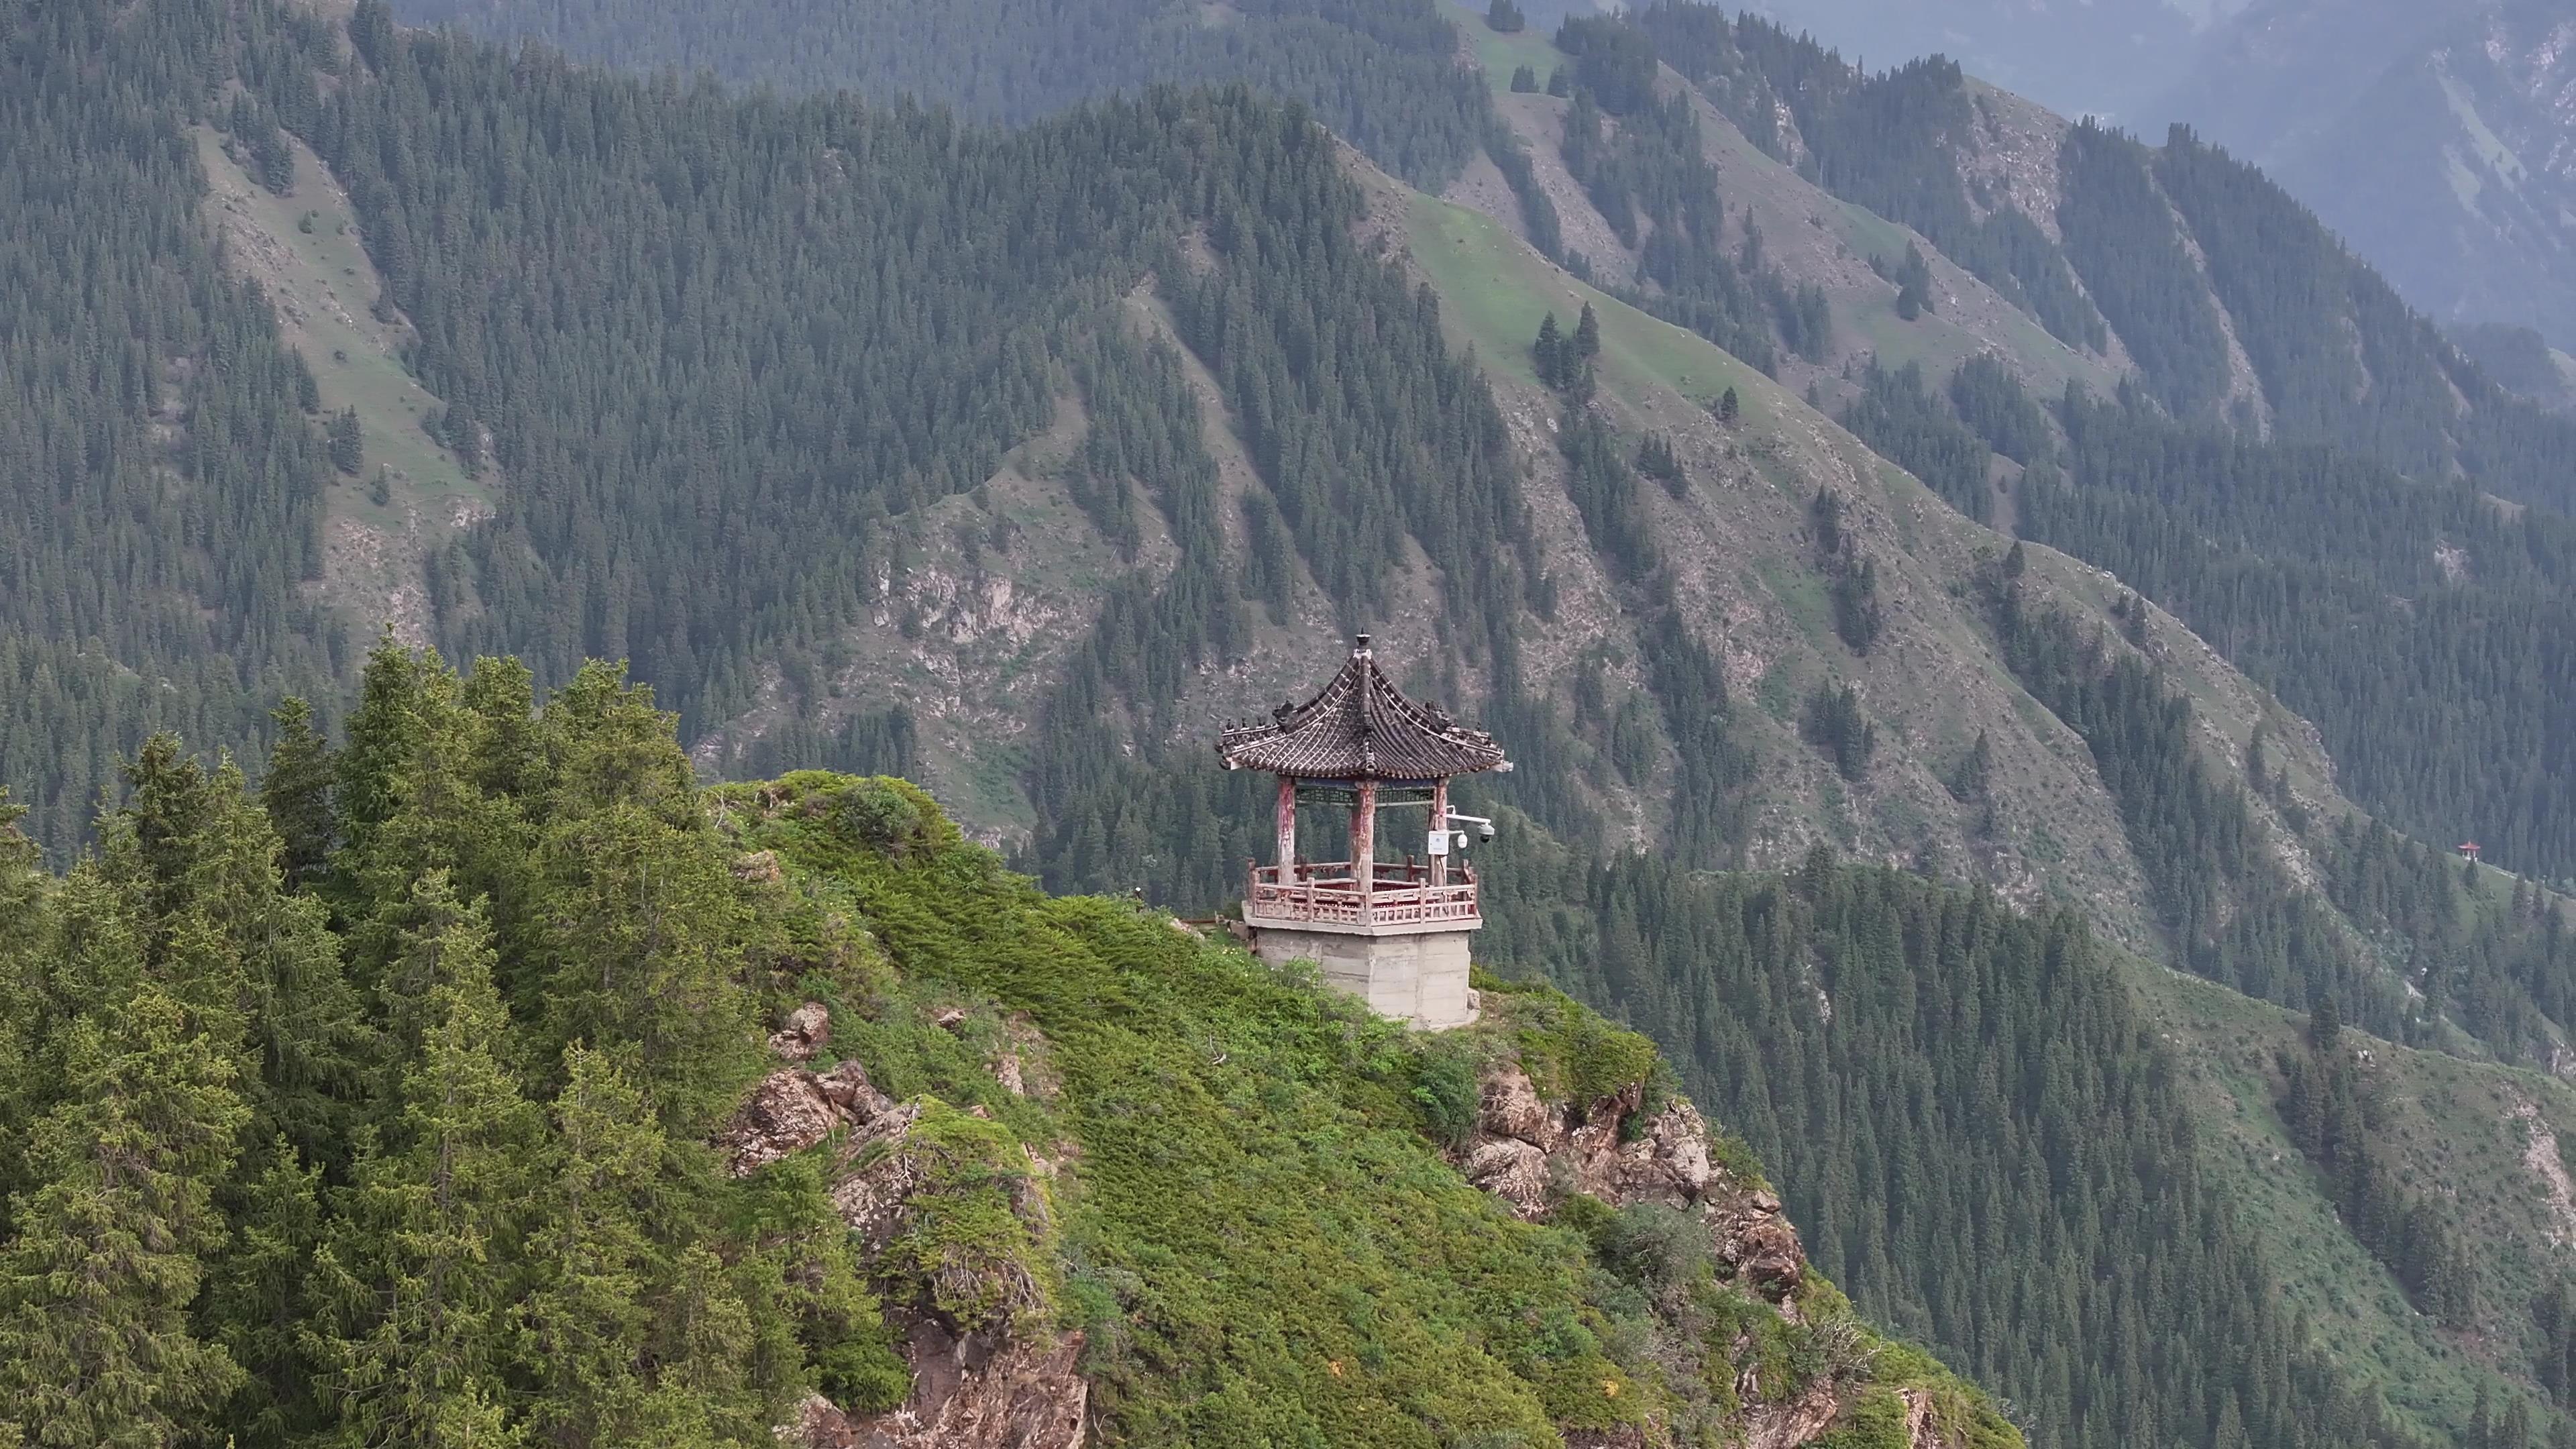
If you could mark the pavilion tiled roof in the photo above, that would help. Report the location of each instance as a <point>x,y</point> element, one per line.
<point>1360,727</point>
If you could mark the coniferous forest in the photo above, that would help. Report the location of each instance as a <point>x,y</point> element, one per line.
<point>376,1037</point>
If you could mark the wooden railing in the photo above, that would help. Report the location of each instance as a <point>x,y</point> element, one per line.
<point>1329,894</point>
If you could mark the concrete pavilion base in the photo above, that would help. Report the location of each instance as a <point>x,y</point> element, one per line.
<point>1414,975</point>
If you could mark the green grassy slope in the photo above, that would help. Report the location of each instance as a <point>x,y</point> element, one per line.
<point>1497,54</point>
<point>1496,289</point>
<point>1817,237</point>
<point>1250,1221</point>
<point>1741,536</point>
<point>305,253</point>
<point>304,249</point>
<point>2462,1130</point>
<point>1822,238</point>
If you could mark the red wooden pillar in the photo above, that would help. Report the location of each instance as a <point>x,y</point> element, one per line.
<point>1364,843</point>
<point>1440,827</point>
<point>1287,827</point>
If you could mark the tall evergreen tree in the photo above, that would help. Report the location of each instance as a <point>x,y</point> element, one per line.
<point>589,1317</point>
<point>96,1347</point>
<point>415,1281</point>
<point>296,792</point>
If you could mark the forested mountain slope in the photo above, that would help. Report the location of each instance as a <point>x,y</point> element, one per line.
<point>1377,73</point>
<point>2224,293</point>
<point>2272,302</point>
<point>1014,460</point>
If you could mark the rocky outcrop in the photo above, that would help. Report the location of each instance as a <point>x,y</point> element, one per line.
<point>1780,1426</point>
<point>989,1382</point>
<point>792,1110</point>
<point>808,1029</point>
<point>1006,1387</point>
<point>966,1394</point>
<point>1921,1431</point>
<point>1531,1153</point>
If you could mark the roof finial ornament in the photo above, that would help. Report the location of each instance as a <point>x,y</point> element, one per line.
<point>1359,644</point>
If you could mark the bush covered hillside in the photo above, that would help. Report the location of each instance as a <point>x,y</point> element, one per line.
<point>481,1081</point>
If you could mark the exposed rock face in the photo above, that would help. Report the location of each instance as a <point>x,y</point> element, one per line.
<point>991,1389</point>
<point>872,1200</point>
<point>966,1394</point>
<point>808,1028</point>
<point>819,1424</point>
<point>1752,1236</point>
<point>1529,1153</point>
<point>980,1393</point>
<point>792,1110</point>
<point>995,1389</point>
<point>1920,1432</point>
<point>1779,1426</point>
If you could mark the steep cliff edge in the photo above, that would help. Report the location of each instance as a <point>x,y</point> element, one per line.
<point>1116,1182</point>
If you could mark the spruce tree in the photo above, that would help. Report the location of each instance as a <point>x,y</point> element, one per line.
<point>383,734</point>
<point>296,792</point>
<point>414,1284</point>
<point>257,1302</point>
<point>655,988</point>
<point>95,1343</point>
<point>588,1318</point>
<point>23,927</point>
<point>1587,335</point>
<point>1548,352</point>
<point>1913,284</point>
<point>347,443</point>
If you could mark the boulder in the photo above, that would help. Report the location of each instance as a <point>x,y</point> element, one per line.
<point>1513,1170</point>
<point>784,1115</point>
<point>792,1110</point>
<point>1527,1152</point>
<point>808,1028</point>
<point>1510,1107</point>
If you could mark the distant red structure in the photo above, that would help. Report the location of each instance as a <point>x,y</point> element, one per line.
<point>2468,850</point>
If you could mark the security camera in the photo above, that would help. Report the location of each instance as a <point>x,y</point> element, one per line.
<point>1484,827</point>
<point>1485,830</point>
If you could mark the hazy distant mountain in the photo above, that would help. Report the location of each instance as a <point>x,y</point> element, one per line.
<point>2435,135</point>
<point>2279,73</point>
<point>2455,169</point>
<point>2073,56</point>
